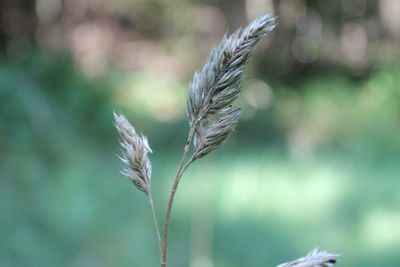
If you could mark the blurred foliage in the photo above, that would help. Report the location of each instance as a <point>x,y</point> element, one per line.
<point>319,165</point>
<point>314,161</point>
<point>165,37</point>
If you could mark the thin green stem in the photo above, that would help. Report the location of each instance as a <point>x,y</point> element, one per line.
<point>150,198</point>
<point>181,169</point>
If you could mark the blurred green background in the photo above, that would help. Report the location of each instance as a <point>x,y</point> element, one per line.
<point>315,160</point>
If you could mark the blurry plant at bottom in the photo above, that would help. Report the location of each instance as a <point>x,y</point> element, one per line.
<point>212,118</point>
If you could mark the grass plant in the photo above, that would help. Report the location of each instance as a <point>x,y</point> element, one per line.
<point>212,117</point>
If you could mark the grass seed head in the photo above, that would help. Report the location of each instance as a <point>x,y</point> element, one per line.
<point>134,154</point>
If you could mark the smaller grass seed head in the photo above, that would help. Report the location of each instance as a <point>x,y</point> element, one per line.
<point>316,258</point>
<point>134,154</point>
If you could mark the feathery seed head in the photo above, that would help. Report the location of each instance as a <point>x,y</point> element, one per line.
<point>215,88</point>
<point>315,258</point>
<point>134,154</point>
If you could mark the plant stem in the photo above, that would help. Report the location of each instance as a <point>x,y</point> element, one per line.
<point>181,169</point>
<point>150,198</point>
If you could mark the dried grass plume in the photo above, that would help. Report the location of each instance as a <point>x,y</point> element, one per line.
<point>215,88</point>
<point>135,149</point>
<point>315,258</point>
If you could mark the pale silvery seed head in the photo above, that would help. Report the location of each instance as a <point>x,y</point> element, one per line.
<point>134,154</point>
<point>315,258</point>
<point>214,89</point>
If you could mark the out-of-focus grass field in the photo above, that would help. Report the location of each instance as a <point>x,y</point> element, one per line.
<point>315,165</point>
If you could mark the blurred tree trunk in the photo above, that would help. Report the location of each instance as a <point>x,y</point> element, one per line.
<point>17,26</point>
